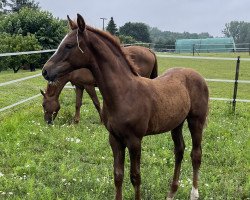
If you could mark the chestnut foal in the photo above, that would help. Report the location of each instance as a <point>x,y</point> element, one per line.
<point>133,106</point>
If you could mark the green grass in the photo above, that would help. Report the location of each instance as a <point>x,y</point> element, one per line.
<point>67,161</point>
<point>9,75</point>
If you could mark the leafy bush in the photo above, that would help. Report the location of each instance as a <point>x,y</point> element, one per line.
<point>48,30</point>
<point>17,43</point>
<point>139,31</point>
<point>127,39</point>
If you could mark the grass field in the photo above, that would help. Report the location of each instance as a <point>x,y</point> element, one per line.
<point>67,161</point>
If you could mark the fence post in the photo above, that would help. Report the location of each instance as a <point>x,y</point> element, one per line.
<point>236,82</point>
<point>193,48</point>
<point>249,49</point>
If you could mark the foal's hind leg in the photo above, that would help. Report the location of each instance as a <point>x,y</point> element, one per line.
<point>179,147</point>
<point>196,125</point>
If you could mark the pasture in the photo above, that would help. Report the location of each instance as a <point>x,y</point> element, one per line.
<point>67,161</point>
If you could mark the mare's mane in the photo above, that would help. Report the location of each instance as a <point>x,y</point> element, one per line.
<point>50,90</point>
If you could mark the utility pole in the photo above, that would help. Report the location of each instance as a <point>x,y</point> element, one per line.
<point>103,19</point>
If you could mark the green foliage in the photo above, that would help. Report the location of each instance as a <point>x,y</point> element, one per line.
<point>17,43</point>
<point>48,30</point>
<point>139,31</point>
<point>17,5</point>
<point>240,31</point>
<point>111,27</point>
<point>127,39</point>
<point>45,30</point>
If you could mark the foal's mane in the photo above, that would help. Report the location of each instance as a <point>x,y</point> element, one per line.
<point>116,42</point>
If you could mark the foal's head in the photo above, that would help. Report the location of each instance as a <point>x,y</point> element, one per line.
<point>72,53</point>
<point>51,107</point>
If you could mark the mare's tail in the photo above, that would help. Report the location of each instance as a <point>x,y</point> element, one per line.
<point>154,72</point>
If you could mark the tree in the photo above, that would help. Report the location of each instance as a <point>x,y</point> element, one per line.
<point>240,31</point>
<point>2,6</point>
<point>126,39</point>
<point>16,5</point>
<point>111,27</point>
<point>48,30</point>
<point>138,31</point>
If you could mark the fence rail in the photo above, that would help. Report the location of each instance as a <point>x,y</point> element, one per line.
<point>159,55</point>
<point>20,79</point>
<point>26,52</point>
<point>202,57</point>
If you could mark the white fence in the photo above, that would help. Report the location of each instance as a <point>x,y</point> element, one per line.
<point>158,55</point>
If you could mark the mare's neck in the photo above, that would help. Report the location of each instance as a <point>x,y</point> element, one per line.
<point>54,90</point>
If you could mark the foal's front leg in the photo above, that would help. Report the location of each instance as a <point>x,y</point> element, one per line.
<point>119,155</point>
<point>134,147</point>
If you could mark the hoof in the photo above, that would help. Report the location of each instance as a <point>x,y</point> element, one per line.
<point>76,121</point>
<point>194,194</point>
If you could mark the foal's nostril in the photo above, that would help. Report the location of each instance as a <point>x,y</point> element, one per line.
<point>44,73</point>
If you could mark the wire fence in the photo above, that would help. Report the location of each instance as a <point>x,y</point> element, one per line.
<point>158,55</point>
<point>196,48</point>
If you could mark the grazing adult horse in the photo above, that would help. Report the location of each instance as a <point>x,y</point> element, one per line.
<point>82,79</point>
<point>133,106</point>
<point>143,58</point>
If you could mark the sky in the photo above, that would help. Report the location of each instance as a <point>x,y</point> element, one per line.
<point>194,16</point>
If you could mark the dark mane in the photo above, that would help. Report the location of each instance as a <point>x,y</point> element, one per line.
<point>50,90</point>
<point>116,42</point>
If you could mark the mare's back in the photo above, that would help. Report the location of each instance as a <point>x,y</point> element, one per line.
<point>143,58</point>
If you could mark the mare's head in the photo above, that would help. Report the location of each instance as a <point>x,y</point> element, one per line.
<point>71,54</point>
<point>51,107</point>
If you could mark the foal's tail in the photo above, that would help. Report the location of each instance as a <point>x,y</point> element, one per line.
<point>154,72</point>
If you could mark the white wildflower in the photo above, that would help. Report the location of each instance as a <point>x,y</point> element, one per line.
<point>78,140</point>
<point>63,179</point>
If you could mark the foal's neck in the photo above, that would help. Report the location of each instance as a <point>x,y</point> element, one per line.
<point>111,68</point>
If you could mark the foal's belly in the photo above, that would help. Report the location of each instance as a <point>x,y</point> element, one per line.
<point>169,112</point>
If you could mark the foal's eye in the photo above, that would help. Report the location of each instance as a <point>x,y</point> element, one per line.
<point>69,46</point>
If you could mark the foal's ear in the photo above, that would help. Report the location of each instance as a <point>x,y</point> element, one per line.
<point>81,23</point>
<point>42,92</point>
<point>71,23</point>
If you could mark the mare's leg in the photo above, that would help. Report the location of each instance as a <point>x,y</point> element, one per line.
<point>134,147</point>
<point>92,93</point>
<point>118,149</point>
<point>179,147</point>
<point>79,93</point>
<point>196,125</point>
